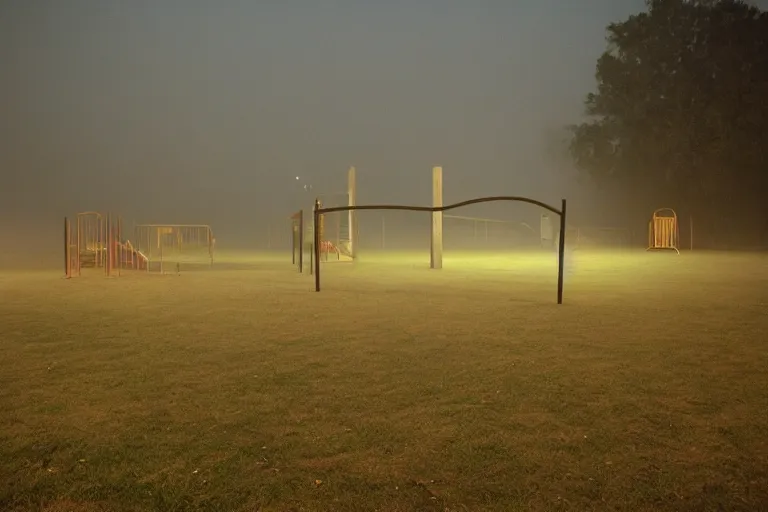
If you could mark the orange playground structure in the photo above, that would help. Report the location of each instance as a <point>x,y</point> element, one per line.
<point>664,231</point>
<point>95,240</point>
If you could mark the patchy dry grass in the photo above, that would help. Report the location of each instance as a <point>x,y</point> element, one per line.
<point>396,388</point>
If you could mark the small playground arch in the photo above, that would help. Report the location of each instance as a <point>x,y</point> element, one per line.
<point>664,231</point>
<point>561,212</point>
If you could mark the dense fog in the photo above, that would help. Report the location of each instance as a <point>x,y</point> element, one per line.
<point>202,112</point>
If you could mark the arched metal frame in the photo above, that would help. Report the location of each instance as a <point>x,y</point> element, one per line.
<point>561,212</point>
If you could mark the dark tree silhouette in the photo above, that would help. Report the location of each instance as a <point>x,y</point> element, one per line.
<point>680,115</point>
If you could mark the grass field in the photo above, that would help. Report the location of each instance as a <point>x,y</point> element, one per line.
<point>396,388</point>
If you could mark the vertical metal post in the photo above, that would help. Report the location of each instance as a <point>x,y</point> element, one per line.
<point>110,245</point>
<point>67,261</point>
<point>119,244</point>
<point>149,247</point>
<point>77,254</point>
<point>101,244</point>
<point>561,255</point>
<point>301,241</point>
<point>316,248</point>
<point>98,241</point>
<point>106,245</point>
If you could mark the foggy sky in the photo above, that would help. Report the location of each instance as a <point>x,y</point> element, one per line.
<point>199,111</point>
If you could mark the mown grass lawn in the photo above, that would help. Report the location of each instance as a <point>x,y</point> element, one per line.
<point>396,388</point>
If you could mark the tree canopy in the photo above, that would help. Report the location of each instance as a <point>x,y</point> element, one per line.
<point>680,114</point>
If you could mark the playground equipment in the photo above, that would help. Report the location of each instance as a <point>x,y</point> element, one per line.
<point>436,246</point>
<point>336,245</point>
<point>321,245</point>
<point>96,242</point>
<point>175,243</point>
<point>664,231</point>
<point>337,232</point>
<point>299,243</point>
